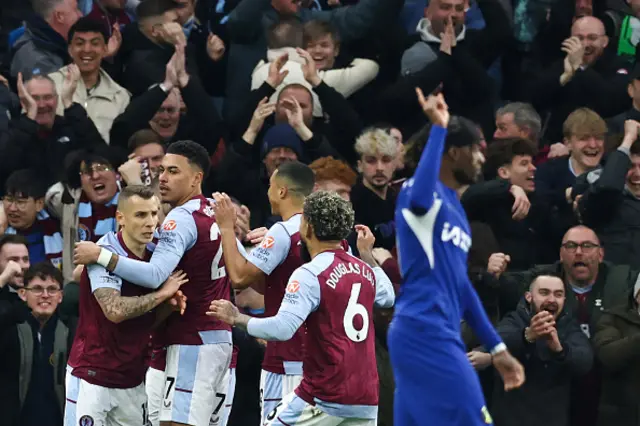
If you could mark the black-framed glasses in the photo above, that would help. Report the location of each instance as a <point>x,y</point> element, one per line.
<point>39,290</point>
<point>586,247</point>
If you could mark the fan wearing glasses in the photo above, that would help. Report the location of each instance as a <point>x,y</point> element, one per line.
<point>34,353</point>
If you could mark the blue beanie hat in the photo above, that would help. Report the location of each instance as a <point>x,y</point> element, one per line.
<point>282,135</point>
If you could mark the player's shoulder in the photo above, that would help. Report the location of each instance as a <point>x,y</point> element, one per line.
<point>290,226</point>
<point>111,242</point>
<point>179,216</point>
<point>321,263</point>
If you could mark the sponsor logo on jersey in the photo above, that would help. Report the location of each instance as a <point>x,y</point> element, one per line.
<point>268,242</point>
<point>293,287</point>
<point>457,236</point>
<point>86,421</point>
<point>170,225</point>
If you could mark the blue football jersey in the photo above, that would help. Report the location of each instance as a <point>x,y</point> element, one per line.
<point>433,240</point>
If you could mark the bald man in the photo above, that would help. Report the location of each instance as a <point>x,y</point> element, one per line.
<point>589,76</point>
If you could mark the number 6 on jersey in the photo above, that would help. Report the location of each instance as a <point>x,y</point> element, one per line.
<point>354,309</point>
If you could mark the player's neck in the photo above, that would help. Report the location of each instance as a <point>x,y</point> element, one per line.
<point>449,180</point>
<point>196,191</point>
<point>134,247</point>
<point>290,210</point>
<point>322,246</point>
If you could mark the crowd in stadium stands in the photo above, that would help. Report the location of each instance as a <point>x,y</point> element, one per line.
<point>93,94</point>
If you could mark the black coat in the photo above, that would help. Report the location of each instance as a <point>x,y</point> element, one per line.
<point>613,212</point>
<point>544,397</point>
<point>617,346</point>
<point>601,87</point>
<point>30,147</point>
<point>527,240</point>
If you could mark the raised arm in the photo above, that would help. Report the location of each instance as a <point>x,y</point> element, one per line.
<point>428,170</point>
<point>241,272</point>
<point>117,308</point>
<point>301,299</point>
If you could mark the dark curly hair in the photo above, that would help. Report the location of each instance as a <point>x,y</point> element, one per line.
<point>330,216</point>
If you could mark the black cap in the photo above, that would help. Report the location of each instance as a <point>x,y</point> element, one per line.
<point>461,132</point>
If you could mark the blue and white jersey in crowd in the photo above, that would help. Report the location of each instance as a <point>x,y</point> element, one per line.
<point>433,239</point>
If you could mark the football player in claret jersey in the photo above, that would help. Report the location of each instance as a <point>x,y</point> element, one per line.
<point>106,367</point>
<point>335,294</point>
<point>272,262</point>
<point>198,346</point>
<point>434,379</point>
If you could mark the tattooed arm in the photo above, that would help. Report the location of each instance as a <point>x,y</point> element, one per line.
<point>117,308</point>
<point>106,288</point>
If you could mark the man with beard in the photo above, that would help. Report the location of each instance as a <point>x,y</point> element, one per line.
<point>434,379</point>
<point>101,96</point>
<point>14,262</point>
<point>268,268</point>
<point>589,76</point>
<point>548,342</point>
<point>373,199</point>
<point>40,140</point>
<point>591,285</point>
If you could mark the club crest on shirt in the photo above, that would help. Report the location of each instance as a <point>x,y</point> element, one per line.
<point>169,225</point>
<point>208,210</point>
<point>86,421</point>
<point>268,242</point>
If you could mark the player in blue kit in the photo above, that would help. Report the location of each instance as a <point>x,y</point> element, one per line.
<point>435,383</point>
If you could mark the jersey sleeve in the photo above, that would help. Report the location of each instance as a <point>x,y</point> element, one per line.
<point>478,320</point>
<point>385,294</point>
<point>427,173</point>
<point>301,298</point>
<point>178,234</point>
<point>99,277</point>
<point>273,250</point>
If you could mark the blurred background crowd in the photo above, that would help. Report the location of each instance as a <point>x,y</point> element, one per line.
<point>93,91</point>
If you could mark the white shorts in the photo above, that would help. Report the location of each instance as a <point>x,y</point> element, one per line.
<point>154,385</point>
<point>93,405</point>
<point>294,411</point>
<point>224,399</point>
<point>273,388</point>
<point>192,375</point>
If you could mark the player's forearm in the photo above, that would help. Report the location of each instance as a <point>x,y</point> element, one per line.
<point>428,171</point>
<point>117,308</point>
<point>148,275</point>
<point>385,294</point>
<point>235,264</point>
<point>280,328</point>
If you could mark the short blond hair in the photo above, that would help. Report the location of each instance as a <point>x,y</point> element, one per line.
<point>376,141</point>
<point>584,122</point>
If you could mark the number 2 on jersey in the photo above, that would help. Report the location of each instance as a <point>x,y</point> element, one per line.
<point>217,271</point>
<point>353,309</point>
